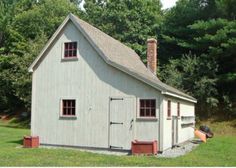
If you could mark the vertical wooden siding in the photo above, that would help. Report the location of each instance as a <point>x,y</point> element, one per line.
<point>184,134</point>
<point>91,82</point>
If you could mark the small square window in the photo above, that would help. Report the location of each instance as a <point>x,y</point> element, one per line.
<point>178,109</point>
<point>68,107</point>
<point>70,50</point>
<point>169,108</point>
<point>147,108</point>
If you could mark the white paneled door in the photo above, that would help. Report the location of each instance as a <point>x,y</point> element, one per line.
<point>121,121</point>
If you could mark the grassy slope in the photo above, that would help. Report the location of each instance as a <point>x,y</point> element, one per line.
<point>219,151</point>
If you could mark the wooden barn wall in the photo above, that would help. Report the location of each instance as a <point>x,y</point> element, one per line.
<point>184,133</point>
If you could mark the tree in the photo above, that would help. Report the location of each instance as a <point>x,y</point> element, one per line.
<point>28,27</point>
<point>130,22</point>
<point>208,31</point>
<point>191,75</point>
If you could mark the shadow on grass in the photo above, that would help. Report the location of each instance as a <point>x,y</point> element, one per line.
<point>21,122</point>
<point>14,126</point>
<point>234,124</point>
<point>20,119</point>
<point>18,122</point>
<point>20,141</point>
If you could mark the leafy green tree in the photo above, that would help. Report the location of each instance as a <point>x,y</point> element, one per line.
<point>217,38</point>
<point>205,28</point>
<point>191,75</point>
<point>130,22</point>
<point>25,31</point>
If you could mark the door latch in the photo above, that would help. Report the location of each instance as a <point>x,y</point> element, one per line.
<point>116,99</point>
<point>115,147</point>
<point>116,123</point>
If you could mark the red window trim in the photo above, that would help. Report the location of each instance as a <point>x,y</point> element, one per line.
<point>168,108</point>
<point>147,108</point>
<point>70,50</point>
<point>68,108</point>
<point>178,109</point>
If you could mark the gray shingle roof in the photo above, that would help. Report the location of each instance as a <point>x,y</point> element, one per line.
<point>117,55</point>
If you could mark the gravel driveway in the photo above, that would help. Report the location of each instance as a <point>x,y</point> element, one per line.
<point>180,150</point>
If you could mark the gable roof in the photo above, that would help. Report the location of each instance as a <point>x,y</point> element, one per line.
<point>115,54</point>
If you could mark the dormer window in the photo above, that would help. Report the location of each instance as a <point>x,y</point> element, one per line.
<point>70,50</point>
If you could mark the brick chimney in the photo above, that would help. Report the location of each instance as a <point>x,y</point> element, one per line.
<point>152,55</point>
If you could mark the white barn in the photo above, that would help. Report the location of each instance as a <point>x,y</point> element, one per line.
<point>91,91</point>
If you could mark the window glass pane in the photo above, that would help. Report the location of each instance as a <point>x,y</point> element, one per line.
<point>70,45</point>
<point>153,103</point>
<point>70,53</point>
<point>64,103</point>
<point>153,112</point>
<point>142,112</point>
<point>66,46</point>
<point>67,104</point>
<point>64,111</point>
<point>74,53</point>
<point>73,103</point>
<point>148,103</point>
<point>66,53</point>
<point>178,109</point>
<point>73,111</point>
<point>69,111</point>
<point>142,103</point>
<point>75,45</point>
<point>148,112</point>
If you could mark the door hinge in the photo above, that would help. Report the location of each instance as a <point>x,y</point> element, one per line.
<point>115,147</point>
<point>116,99</point>
<point>116,123</point>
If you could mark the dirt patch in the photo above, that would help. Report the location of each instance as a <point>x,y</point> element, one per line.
<point>4,118</point>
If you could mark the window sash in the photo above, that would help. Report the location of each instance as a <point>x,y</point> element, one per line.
<point>169,108</point>
<point>68,107</point>
<point>147,108</point>
<point>178,109</point>
<point>70,49</point>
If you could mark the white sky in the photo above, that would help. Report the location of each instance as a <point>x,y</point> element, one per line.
<point>167,3</point>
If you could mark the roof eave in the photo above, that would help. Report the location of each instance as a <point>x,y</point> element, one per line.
<point>193,100</point>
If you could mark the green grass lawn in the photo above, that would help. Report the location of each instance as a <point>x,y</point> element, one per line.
<point>219,151</point>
